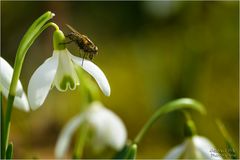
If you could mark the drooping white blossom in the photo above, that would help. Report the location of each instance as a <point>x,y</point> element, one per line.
<point>106,127</point>
<point>59,71</point>
<point>195,147</point>
<point>6,73</point>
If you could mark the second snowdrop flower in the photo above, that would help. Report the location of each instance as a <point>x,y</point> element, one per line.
<point>196,147</point>
<point>59,71</point>
<point>106,128</point>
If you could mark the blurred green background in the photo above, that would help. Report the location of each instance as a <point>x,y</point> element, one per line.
<point>151,53</point>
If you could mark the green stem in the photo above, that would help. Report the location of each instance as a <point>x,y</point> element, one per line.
<point>82,136</point>
<point>7,123</point>
<point>89,90</point>
<point>9,152</point>
<point>182,103</point>
<point>33,32</point>
<point>2,127</point>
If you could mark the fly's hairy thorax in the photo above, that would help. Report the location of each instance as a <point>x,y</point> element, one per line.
<point>83,42</point>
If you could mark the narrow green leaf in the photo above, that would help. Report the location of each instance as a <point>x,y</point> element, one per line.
<point>33,30</point>
<point>27,40</point>
<point>9,152</point>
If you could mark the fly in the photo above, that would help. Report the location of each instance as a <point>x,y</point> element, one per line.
<point>83,42</point>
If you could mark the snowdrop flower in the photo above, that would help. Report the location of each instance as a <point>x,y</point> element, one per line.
<point>60,71</point>
<point>106,127</point>
<point>6,73</point>
<point>195,147</point>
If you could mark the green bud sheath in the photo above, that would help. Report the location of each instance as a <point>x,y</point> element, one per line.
<point>189,129</point>
<point>58,40</point>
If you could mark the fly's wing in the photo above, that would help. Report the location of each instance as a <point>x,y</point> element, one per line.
<point>73,30</point>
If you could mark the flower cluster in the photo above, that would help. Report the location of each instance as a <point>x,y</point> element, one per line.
<point>99,126</point>
<point>61,70</point>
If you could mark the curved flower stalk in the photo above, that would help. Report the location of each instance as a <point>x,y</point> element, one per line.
<point>60,71</point>
<point>106,128</point>
<point>6,73</point>
<point>29,37</point>
<point>195,147</point>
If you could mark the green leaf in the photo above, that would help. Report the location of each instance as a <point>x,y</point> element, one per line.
<point>29,36</point>
<point>179,104</point>
<point>9,152</point>
<point>27,40</point>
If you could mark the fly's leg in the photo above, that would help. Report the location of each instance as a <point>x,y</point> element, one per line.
<point>67,42</point>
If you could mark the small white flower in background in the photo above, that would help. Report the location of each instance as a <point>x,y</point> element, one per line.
<point>6,73</point>
<point>59,71</point>
<point>107,128</point>
<point>195,147</point>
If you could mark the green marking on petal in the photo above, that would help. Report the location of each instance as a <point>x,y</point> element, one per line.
<point>67,82</point>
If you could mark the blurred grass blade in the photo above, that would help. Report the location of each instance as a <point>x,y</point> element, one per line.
<point>228,140</point>
<point>9,152</point>
<point>179,104</point>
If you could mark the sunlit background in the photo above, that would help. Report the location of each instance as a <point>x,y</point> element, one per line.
<point>151,53</point>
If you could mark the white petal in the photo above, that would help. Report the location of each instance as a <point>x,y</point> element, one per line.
<point>206,147</point>
<point>191,151</point>
<point>6,72</point>
<point>41,80</point>
<point>20,102</point>
<point>65,136</point>
<point>176,152</point>
<point>66,76</point>
<point>109,128</point>
<point>95,72</point>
